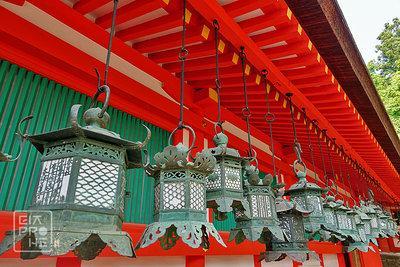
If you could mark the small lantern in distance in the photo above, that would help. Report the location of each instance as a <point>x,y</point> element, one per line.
<point>332,232</point>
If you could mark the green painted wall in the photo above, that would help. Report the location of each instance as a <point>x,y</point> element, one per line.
<point>23,93</point>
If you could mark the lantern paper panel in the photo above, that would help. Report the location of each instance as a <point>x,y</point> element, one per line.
<point>180,199</point>
<point>225,184</point>
<point>263,221</point>
<point>82,183</point>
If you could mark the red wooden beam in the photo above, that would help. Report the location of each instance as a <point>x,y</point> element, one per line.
<point>238,8</point>
<point>269,38</point>
<point>130,11</point>
<point>87,6</point>
<point>274,18</point>
<point>308,72</point>
<point>16,2</point>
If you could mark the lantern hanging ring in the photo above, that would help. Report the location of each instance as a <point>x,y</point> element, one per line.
<point>105,88</point>
<point>181,127</point>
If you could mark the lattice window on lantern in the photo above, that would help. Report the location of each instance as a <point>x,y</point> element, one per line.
<point>315,202</point>
<point>350,223</point>
<point>298,229</point>
<point>157,192</point>
<point>197,176</point>
<point>330,218</point>
<point>285,222</point>
<point>215,184</point>
<point>254,206</point>
<point>367,227</point>
<point>383,224</point>
<point>233,179</point>
<point>197,196</point>
<point>374,223</point>
<point>97,184</point>
<point>53,182</point>
<point>300,201</point>
<point>361,232</point>
<point>173,196</point>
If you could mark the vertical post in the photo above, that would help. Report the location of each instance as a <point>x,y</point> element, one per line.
<point>196,261</point>
<point>256,260</point>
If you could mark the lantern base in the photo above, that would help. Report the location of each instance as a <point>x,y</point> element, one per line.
<point>192,233</point>
<point>85,245</point>
<point>363,247</point>
<point>298,256</point>
<point>221,206</point>
<point>254,233</point>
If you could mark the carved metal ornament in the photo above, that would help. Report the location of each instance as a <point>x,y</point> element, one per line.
<point>180,199</point>
<point>294,246</point>
<point>361,220</point>
<point>309,196</point>
<point>82,183</point>
<point>225,184</point>
<point>263,222</point>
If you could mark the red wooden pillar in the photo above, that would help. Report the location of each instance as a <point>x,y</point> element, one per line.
<point>196,261</point>
<point>256,260</point>
<point>296,264</point>
<point>341,260</point>
<point>383,244</point>
<point>68,262</point>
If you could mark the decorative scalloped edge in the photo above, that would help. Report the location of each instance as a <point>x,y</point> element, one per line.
<point>190,233</point>
<point>298,256</point>
<point>225,205</point>
<point>120,242</point>
<point>255,233</point>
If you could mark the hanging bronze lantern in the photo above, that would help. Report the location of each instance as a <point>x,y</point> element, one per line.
<point>362,222</point>
<point>332,232</point>
<point>224,185</point>
<point>180,199</point>
<point>180,186</point>
<point>357,238</point>
<point>374,211</point>
<point>346,222</point>
<point>82,183</point>
<point>263,220</point>
<point>295,245</point>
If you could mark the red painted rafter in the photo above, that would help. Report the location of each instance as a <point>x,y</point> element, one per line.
<point>87,6</point>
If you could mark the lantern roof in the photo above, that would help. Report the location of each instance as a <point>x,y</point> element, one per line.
<point>284,205</point>
<point>94,130</point>
<point>221,141</point>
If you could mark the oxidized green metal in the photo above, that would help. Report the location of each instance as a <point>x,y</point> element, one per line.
<point>225,184</point>
<point>82,182</point>
<point>362,221</point>
<point>294,246</point>
<point>332,232</point>
<point>346,222</point>
<point>367,219</point>
<point>308,196</point>
<point>357,238</point>
<point>180,199</point>
<point>263,220</point>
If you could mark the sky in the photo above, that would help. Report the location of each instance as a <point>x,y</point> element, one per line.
<point>366,20</point>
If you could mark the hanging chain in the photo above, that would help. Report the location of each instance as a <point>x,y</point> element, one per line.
<point>322,156</point>
<point>246,110</point>
<point>310,146</point>
<point>105,88</point>
<point>217,80</point>
<point>296,144</point>
<point>182,57</point>
<point>328,149</point>
<point>269,117</point>
<point>340,160</point>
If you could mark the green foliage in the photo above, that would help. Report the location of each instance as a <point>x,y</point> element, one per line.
<point>385,71</point>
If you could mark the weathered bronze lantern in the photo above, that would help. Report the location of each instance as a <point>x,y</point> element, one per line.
<point>225,184</point>
<point>180,199</point>
<point>263,220</point>
<point>82,183</point>
<point>356,236</point>
<point>346,222</point>
<point>363,209</point>
<point>180,186</point>
<point>362,221</point>
<point>294,246</point>
<point>332,232</point>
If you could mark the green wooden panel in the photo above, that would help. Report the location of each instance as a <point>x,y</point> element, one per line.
<point>225,225</point>
<point>23,93</point>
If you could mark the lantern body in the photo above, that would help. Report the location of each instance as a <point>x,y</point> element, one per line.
<point>225,184</point>
<point>262,220</point>
<point>180,199</point>
<point>294,245</point>
<point>308,196</point>
<point>332,232</point>
<point>361,219</point>
<point>82,183</point>
<point>346,222</point>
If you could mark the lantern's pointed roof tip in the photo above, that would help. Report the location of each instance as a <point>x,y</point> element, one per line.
<point>95,130</point>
